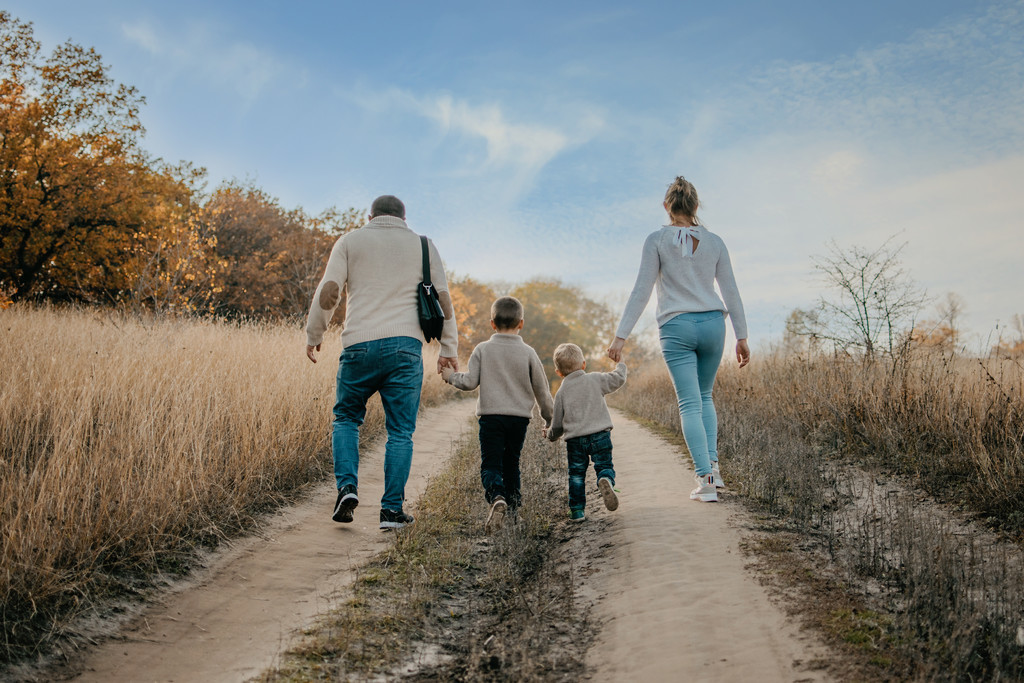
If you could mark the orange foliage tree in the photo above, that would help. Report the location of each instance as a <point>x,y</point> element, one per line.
<point>72,176</point>
<point>557,313</point>
<point>271,258</point>
<point>472,302</point>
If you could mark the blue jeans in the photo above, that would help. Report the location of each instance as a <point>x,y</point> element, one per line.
<point>692,344</point>
<point>392,367</point>
<point>581,450</point>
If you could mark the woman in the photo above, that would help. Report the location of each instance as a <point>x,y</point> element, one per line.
<point>685,260</point>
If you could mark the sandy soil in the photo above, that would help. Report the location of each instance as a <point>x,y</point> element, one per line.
<point>665,578</point>
<point>233,619</point>
<point>670,593</point>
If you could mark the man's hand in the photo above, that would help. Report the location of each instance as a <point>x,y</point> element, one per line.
<point>446,373</point>
<point>309,352</point>
<point>544,432</point>
<point>447,362</point>
<point>615,349</point>
<point>742,352</point>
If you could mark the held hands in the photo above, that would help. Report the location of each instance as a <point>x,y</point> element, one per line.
<point>615,349</point>
<point>447,362</point>
<point>310,352</point>
<point>742,352</point>
<point>446,373</point>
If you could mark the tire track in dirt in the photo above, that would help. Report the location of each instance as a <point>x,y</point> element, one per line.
<point>232,619</point>
<point>665,575</point>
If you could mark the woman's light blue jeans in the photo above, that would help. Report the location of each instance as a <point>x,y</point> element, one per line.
<point>692,344</point>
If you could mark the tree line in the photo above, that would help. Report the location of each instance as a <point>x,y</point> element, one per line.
<point>88,216</point>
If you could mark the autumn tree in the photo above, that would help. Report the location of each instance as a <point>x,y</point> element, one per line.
<point>172,266</point>
<point>272,258</point>
<point>1011,339</point>
<point>73,179</point>
<point>472,302</point>
<point>557,313</point>
<point>943,332</point>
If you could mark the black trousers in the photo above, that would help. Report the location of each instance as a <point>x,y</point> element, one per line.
<point>501,441</point>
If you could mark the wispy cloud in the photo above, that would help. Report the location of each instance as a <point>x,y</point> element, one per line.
<point>494,155</point>
<point>956,82</point>
<point>238,65</point>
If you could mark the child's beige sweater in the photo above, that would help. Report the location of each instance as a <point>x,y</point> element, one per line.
<point>510,376</point>
<point>580,409</point>
<point>381,265</point>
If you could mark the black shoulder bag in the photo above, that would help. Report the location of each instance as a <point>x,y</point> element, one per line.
<point>431,314</point>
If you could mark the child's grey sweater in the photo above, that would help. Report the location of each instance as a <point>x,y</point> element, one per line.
<point>686,284</point>
<point>510,376</point>
<point>580,409</point>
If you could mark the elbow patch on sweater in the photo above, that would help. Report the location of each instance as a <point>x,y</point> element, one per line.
<point>330,295</point>
<point>446,305</point>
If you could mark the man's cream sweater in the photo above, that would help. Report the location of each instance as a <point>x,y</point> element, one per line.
<point>380,264</point>
<point>510,376</point>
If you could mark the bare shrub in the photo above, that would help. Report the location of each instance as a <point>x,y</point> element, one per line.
<point>873,302</point>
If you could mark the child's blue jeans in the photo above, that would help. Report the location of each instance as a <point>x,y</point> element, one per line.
<point>692,344</point>
<point>581,450</point>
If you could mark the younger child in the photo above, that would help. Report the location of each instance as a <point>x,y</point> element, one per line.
<point>511,378</point>
<point>581,416</point>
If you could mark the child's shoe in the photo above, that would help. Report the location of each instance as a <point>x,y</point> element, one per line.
<point>605,485</point>
<point>719,484</point>
<point>706,491</point>
<point>577,515</point>
<point>496,515</point>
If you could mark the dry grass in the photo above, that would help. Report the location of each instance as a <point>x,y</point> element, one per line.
<point>447,602</point>
<point>125,443</point>
<point>840,451</point>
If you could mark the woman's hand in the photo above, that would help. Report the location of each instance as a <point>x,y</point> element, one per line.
<point>742,352</point>
<point>615,349</point>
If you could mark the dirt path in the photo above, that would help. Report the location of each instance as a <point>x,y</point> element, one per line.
<point>667,580</point>
<point>231,622</point>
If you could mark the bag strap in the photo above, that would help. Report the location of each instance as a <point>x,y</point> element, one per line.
<point>426,261</point>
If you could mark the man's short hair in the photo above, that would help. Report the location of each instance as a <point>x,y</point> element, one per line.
<point>506,312</point>
<point>568,358</point>
<point>387,205</point>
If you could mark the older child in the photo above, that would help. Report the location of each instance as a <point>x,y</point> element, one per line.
<point>511,378</point>
<point>581,416</point>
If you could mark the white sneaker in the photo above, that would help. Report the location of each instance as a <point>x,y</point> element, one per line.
<point>496,515</point>
<point>706,492</point>
<point>611,501</point>
<point>719,484</point>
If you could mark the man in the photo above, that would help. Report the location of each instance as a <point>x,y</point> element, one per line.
<point>381,265</point>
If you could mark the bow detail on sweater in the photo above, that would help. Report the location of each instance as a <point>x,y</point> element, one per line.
<point>684,237</point>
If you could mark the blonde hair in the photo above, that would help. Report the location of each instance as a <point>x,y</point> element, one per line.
<point>568,358</point>
<point>682,200</point>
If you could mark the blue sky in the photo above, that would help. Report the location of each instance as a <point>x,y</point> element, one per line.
<point>537,139</point>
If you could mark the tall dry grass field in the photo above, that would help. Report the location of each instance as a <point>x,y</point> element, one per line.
<point>840,449</point>
<point>126,443</point>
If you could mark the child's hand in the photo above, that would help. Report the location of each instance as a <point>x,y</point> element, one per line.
<point>446,373</point>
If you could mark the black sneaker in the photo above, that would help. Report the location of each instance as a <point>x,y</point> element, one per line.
<point>346,503</point>
<point>394,519</point>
